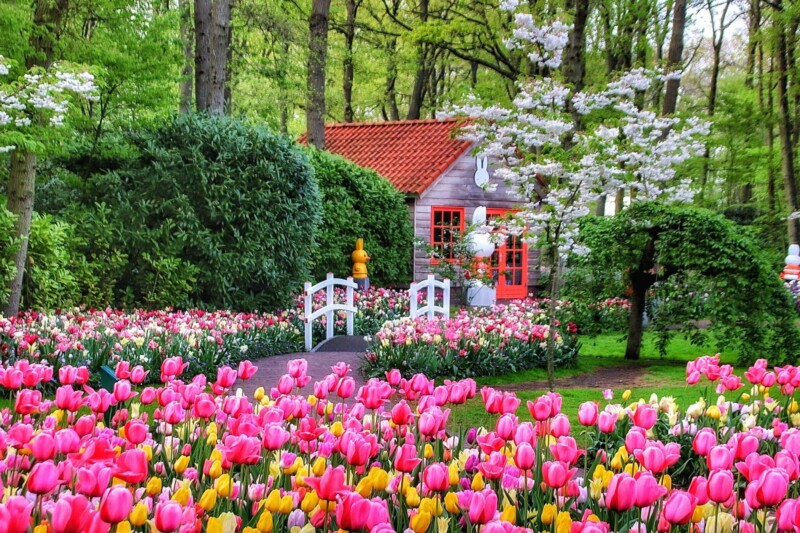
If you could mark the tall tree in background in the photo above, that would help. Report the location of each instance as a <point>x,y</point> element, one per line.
<point>424,67</point>
<point>185,105</point>
<point>212,25</point>
<point>317,63</point>
<point>675,56</point>
<point>48,19</point>
<point>348,74</point>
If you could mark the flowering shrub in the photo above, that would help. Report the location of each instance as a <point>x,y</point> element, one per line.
<point>94,338</point>
<point>486,342</point>
<point>383,459</point>
<point>591,317</point>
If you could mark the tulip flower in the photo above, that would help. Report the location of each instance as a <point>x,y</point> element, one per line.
<point>70,514</point>
<point>168,516</point>
<point>115,505</point>
<point>679,507</point>
<point>406,459</point>
<point>330,485</point>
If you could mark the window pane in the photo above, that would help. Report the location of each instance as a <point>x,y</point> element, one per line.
<point>437,235</point>
<point>456,218</point>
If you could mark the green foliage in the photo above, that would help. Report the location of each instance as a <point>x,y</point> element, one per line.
<point>207,210</point>
<point>706,267</point>
<point>49,280</point>
<point>357,202</point>
<point>8,246</point>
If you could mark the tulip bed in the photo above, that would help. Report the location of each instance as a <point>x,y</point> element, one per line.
<point>482,342</point>
<point>93,338</point>
<point>190,456</point>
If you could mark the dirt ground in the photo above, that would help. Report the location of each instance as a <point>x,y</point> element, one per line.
<point>627,376</point>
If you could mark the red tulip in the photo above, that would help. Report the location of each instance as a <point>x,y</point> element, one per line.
<point>406,459</point>
<point>131,466</point>
<point>15,515</point>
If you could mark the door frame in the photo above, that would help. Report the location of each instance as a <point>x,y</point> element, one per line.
<point>505,292</point>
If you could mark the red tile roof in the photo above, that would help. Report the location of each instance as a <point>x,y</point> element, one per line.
<point>409,153</point>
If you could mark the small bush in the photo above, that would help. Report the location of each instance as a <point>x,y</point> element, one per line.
<point>358,203</point>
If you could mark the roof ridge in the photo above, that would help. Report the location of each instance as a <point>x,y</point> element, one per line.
<point>383,123</point>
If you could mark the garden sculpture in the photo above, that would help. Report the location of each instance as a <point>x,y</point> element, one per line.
<point>360,259</point>
<point>792,269</point>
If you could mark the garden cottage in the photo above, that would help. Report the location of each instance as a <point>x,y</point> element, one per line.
<point>441,178</point>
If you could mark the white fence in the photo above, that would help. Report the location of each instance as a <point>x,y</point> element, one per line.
<point>430,309</point>
<point>330,307</point>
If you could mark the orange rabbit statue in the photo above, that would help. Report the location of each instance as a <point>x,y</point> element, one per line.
<point>360,258</point>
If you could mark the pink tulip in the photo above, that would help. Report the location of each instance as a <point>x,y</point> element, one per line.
<point>352,512</point>
<point>346,387</point>
<point>636,439</point>
<point>172,367</point>
<point>719,458</point>
<point>481,506</point>
<point>93,480</point>
<point>115,505</point>
<point>541,408</point>
<point>393,377</point>
<point>131,466</point>
<point>769,490</point>
<point>559,425</point>
<point>720,486</point>
<point>406,459</point>
<point>704,440</point>
<point>648,490</point>
<point>644,416</point>
<point>70,514</point>
<point>556,474</point>
<point>247,370</point>
<point>43,447</point>
<point>274,437</point>
<point>27,401</point>
<point>169,516</point>
<point>401,414</point>
<point>621,494</point>
<point>524,456</point>
<point>588,413</point>
<point>679,507</point>
<point>43,478</point>
<point>566,450</point>
<point>436,477</point>
<point>607,422</point>
<point>15,515</point>
<point>138,375</point>
<point>330,485</point>
<point>226,377</point>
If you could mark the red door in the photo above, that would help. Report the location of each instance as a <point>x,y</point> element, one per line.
<point>509,263</point>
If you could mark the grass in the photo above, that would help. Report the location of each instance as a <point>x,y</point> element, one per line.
<point>664,376</point>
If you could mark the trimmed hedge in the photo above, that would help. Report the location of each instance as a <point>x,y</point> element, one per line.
<point>357,202</point>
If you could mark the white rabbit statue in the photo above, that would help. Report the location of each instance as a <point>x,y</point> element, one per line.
<point>792,269</point>
<point>482,173</point>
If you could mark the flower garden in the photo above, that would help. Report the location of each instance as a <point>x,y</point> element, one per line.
<point>189,454</point>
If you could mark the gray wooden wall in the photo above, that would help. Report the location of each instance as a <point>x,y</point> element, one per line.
<point>456,188</point>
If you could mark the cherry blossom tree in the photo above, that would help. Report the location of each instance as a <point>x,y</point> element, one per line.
<point>561,170</point>
<point>30,108</point>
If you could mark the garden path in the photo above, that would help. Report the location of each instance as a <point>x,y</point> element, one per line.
<point>630,375</point>
<point>270,369</point>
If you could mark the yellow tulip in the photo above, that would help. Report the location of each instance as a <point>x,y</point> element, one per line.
<point>42,528</point>
<point>214,525</point>
<point>208,500</point>
<point>793,407</point>
<point>596,488</point>
<point>138,515</point>
<point>380,478</point>
<point>224,485</point>
<point>451,503</point>
<point>563,522</point>
<point>273,501</point>
<point>309,502</point>
<point>182,495</point>
<point>182,464</point>
<point>154,486</point>
<point>337,429</point>
<point>509,514</point>
<point>148,452</point>
<point>477,482</point>
<point>432,506</point>
<point>626,395</point>
<point>216,469</point>
<point>249,529</point>
<point>211,440</point>
<point>122,527</point>
<point>286,505</point>
<point>300,477</point>
<point>412,497</point>
<point>319,466</point>
<point>666,481</point>
<point>264,524</point>
<point>421,521</point>
<point>713,412</point>
<point>259,394</point>
<point>549,512</point>
<point>428,451</point>
<point>454,473</point>
<point>364,487</point>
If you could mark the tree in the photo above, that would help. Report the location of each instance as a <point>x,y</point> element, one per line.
<point>560,170</point>
<point>655,244</point>
<point>675,56</point>
<point>317,64</point>
<point>212,19</point>
<point>29,108</point>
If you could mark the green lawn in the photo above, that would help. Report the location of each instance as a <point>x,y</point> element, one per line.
<point>664,376</point>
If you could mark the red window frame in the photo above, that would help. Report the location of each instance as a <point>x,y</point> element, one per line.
<point>443,226</point>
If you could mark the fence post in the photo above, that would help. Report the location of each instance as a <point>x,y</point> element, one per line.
<point>307,311</point>
<point>349,293</point>
<point>446,299</point>
<point>412,296</point>
<point>328,303</point>
<point>431,296</point>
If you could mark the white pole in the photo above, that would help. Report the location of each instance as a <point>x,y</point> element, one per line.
<point>446,299</point>
<point>412,295</point>
<point>350,314</point>
<point>431,296</point>
<point>307,310</point>
<point>328,304</point>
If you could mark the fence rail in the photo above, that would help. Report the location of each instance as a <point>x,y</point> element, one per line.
<point>330,308</point>
<point>430,309</point>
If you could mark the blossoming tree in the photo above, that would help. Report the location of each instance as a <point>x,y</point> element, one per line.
<point>562,162</point>
<point>30,107</point>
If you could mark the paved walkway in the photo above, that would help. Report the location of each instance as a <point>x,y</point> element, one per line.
<point>270,369</point>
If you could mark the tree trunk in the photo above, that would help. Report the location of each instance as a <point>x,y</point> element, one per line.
<point>619,201</point>
<point>220,46</point>
<point>574,66</point>
<point>315,82</point>
<point>185,105</point>
<point>202,53</point>
<point>600,208</point>
<point>785,134</point>
<point>551,338</point>
<point>674,56</point>
<point>21,184</point>
<point>753,25</point>
<point>348,74</point>
<point>423,70</point>
<point>637,300</point>
<point>391,81</point>
<point>47,18</point>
